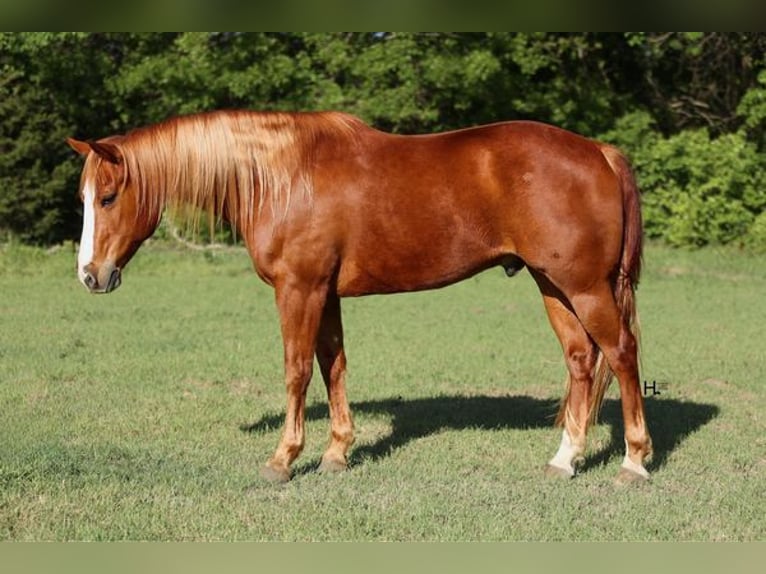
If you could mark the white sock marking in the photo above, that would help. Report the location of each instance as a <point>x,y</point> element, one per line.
<point>566,454</point>
<point>632,466</point>
<point>85,255</point>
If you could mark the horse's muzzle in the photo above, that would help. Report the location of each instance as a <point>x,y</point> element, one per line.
<point>106,280</point>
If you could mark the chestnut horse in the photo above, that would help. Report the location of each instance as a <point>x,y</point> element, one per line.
<point>329,207</point>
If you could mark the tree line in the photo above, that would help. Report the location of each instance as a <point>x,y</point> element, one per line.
<point>688,108</point>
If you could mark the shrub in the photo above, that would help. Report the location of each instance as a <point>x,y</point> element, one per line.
<point>756,235</point>
<point>697,190</point>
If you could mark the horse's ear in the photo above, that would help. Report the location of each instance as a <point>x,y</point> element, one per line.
<point>107,151</point>
<point>83,148</point>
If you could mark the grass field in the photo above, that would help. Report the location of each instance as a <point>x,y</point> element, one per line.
<point>146,414</point>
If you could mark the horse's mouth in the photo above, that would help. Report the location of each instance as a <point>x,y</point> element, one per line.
<point>115,280</point>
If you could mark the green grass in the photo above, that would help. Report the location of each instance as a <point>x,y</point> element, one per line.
<point>146,414</point>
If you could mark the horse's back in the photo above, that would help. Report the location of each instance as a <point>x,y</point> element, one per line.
<point>416,212</point>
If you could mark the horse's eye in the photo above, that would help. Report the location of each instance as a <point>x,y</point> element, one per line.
<point>108,200</point>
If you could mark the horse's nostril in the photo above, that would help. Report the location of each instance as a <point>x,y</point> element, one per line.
<point>90,281</point>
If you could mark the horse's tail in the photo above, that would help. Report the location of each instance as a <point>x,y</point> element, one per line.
<point>626,275</point>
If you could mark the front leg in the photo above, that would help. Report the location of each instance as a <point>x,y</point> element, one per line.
<point>332,362</point>
<point>300,310</point>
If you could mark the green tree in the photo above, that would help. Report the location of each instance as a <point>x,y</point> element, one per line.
<point>44,97</point>
<point>697,189</point>
<point>693,79</point>
<point>689,107</point>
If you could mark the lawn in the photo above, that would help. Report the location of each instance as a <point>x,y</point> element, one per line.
<point>145,414</point>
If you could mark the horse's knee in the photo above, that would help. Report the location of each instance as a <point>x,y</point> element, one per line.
<point>298,375</point>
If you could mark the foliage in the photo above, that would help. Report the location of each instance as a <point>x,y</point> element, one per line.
<point>703,95</point>
<point>756,237</point>
<point>696,189</point>
<point>752,109</point>
<point>46,94</point>
<point>694,79</point>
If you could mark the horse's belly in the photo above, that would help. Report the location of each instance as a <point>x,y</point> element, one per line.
<point>416,272</point>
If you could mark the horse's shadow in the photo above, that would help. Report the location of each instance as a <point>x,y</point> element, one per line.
<point>670,422</point>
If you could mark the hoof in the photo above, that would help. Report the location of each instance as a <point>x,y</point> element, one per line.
<point>275,475</point>
<point>556,472</point>
<point>627,476</point>
<point>332,466</point>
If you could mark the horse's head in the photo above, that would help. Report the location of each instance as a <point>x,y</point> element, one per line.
<point>112,227</point>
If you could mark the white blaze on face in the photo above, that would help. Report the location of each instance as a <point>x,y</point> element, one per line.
<point>85,255</point>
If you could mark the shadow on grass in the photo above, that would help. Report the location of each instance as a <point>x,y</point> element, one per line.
<point>670,422</point>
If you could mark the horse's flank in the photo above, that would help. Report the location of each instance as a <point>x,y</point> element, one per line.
<point>227,164</point>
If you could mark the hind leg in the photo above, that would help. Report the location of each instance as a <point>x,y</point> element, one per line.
<point>580,356</point>
<point>597,310</point>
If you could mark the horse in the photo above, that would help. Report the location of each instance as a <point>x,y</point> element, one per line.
<point>329,207</point>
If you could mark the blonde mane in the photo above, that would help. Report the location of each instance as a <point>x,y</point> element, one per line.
<point>227,163</point>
